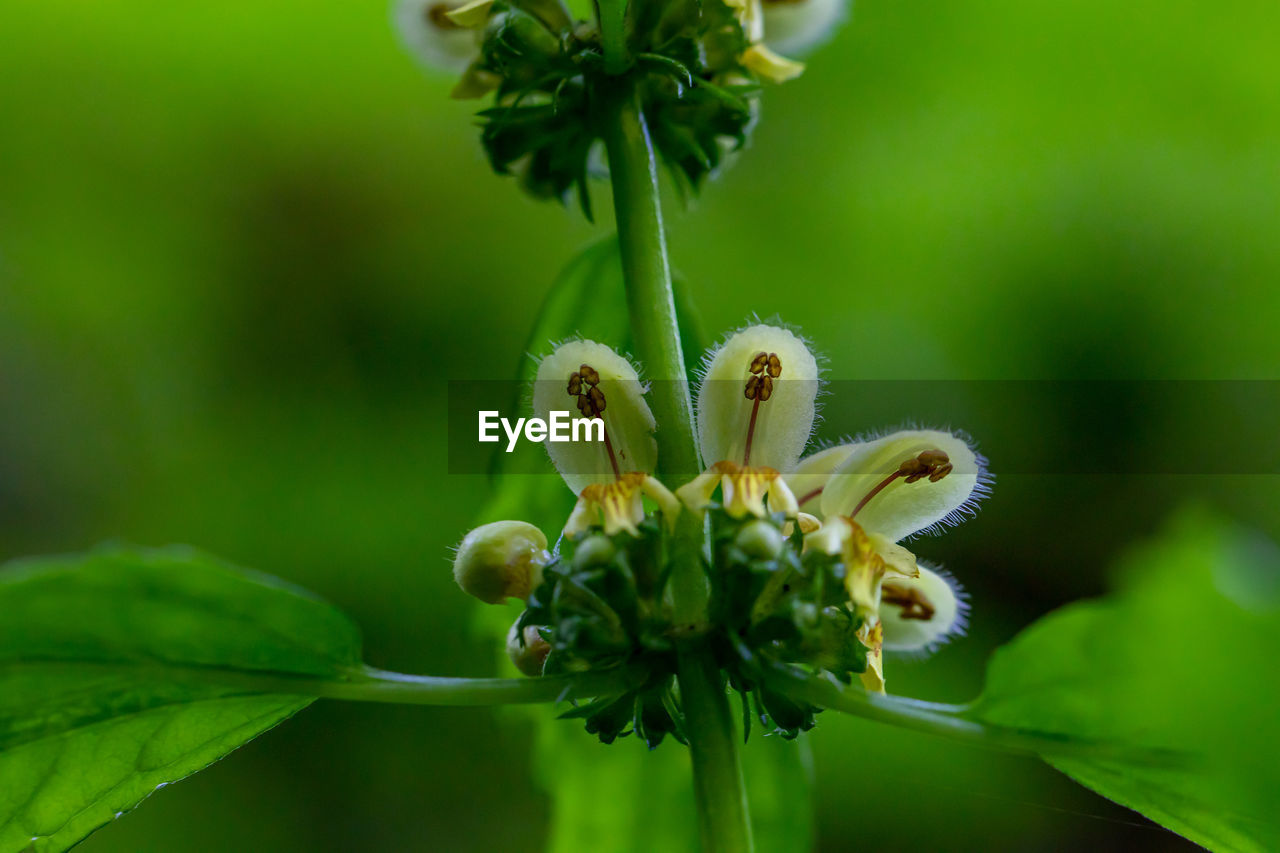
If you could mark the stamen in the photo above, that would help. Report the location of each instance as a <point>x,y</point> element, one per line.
<point>933,464</point>
<point>810,496</point>
<point>584,383</point>
<point>912,602</point>
<point>763,369</point>
<point>608,447</point>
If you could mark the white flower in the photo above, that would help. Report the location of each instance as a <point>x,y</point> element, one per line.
<point>758,57</point>
<point>796,27</point>
<point>610,477</point>
<point>756,405</point>
<point>870,496</point>
<point>921,613</point>
<point>432,34</point>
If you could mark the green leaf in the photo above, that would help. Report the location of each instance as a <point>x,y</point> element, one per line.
<point>1182,656</point>
<point>118,675</point>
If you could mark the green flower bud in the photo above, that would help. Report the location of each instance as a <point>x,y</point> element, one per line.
<point>760,539</point>
<point>593,552</point>
<point>515,37</point>
<point>529,655</point>
<point>501,560</point>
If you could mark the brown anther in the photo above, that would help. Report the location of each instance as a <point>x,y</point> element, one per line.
<point>933,464</point>
<point>759,388</point>
<point>912,603</point>
<point>583,384</point>
<point>437,15</point>
<point>764,368</point>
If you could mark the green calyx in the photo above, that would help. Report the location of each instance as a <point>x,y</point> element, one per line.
<point>552,87</point>
<point>604,603</point>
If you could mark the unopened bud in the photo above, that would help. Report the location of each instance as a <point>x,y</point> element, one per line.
<point>529,655</point>
<point>760,539</point>
<point>593,552</point>
<point>501,560</point>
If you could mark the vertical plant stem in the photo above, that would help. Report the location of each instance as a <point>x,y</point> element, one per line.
<point>612,15</point>
<point>651,305</point>
<point>648,278</point>
<point>724,820</point>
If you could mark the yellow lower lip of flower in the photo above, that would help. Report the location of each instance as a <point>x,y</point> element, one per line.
<point>620,505</point>
<point>742,489</point>
<point>769,65</point>
<point>872,636</point>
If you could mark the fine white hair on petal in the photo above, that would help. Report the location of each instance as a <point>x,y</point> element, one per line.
<point>867,487</point>
<point>796,27</point>
<point>950,618</point>
<point>628,422</point>
<point>779,424</point>
<point>436,47</point>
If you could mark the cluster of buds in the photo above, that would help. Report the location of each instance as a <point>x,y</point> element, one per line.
<point>806,565</point>
<point>695,65</point>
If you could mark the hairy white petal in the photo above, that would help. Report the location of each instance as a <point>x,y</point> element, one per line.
<point>941,593</point>
<point>435,45</point>
<point>795,27</point>
<point>783,421</point>
<point>863,485</point>
<point>628,422</point>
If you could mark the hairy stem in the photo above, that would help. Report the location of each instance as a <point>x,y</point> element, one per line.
<point>723,819</point>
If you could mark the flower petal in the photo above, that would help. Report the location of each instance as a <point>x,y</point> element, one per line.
<point>921,613</point>
<point>607,387</point>
<point>796,27</point>
<point>771,66</point>
<point>435,41</point>
<point>907,482</point>
<point>808,479</point>
<point>757,398</point>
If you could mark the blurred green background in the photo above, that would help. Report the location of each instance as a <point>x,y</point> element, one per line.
<point>244,245</point>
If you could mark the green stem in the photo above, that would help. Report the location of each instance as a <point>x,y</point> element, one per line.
<point>723,818</point>
<point>612,15</point>
<point>650,299</point>
<point>956,722</point>
<point>365,684</point>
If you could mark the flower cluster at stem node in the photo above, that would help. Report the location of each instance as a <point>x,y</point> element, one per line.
<point>695,66</point>
<point>805,565</point>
